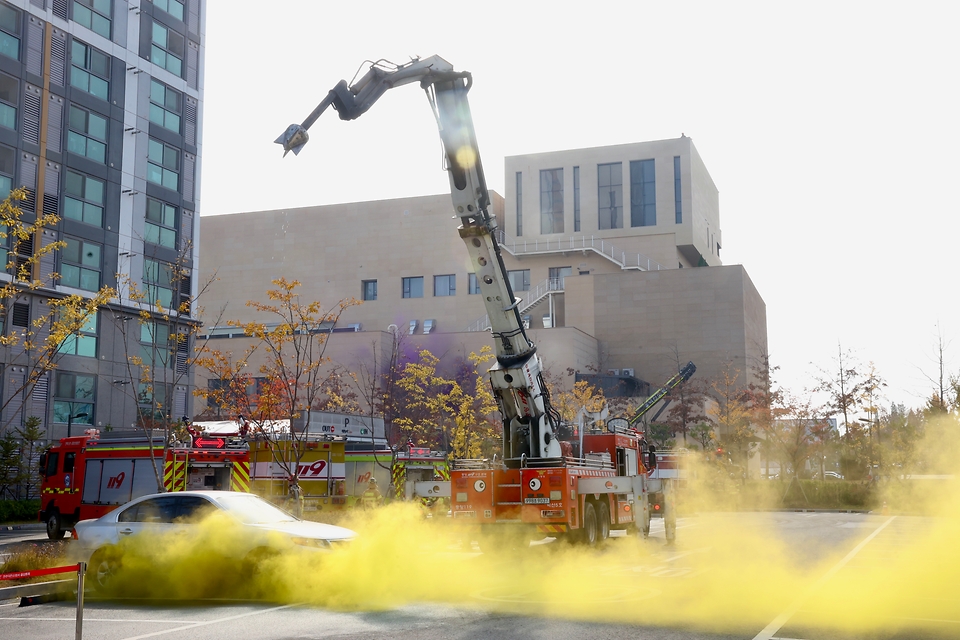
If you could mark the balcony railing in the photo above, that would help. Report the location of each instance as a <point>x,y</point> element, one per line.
<point>578,243</point>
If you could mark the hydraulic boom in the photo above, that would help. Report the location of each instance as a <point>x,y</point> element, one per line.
<point>529,422</point>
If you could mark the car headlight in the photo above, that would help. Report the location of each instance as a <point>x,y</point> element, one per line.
<point>316,543</point>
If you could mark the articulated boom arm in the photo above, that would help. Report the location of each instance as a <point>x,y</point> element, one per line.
<point>688,370</point>
<point>529,422</point>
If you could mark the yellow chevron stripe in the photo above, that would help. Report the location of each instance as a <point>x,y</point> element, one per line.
<point>552,528</point>
<point>240,478</point>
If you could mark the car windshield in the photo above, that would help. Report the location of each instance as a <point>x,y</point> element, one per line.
<point>253,510</point>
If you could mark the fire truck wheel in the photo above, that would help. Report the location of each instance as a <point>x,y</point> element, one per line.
<point>55,529</point>
<point>603,522</point>
<point>589,535</point>
<point>103,568</point>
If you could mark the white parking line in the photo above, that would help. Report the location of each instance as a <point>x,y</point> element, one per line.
<point>194,625</point>
<point>768,632</point>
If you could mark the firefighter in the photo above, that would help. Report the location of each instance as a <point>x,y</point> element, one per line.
<point>371,497</point>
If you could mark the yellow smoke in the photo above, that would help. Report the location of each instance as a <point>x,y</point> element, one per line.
<point>730,571</point>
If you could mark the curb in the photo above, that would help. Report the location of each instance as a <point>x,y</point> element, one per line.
<point>37,589</point>
<point>32,526</point>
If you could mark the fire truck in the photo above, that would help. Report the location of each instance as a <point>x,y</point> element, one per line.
<point>548,481</point>
<point>88,476</point>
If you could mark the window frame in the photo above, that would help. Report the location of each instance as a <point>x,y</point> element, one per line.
<point>89,6</point>
<point>77,403</point>
<point>15,35</point>
<point>524,275</point>
<point>551,201</point>
<point>164,170</point>
<point>84,199</point>
<point>473,284</point>
<point>166,109</point>
<point>157,47</point>
<point>158,282</point>
<point>451,285</point>
<point>642,206</point>
<point>612,220</point>
<point>80,265</point>
<point>677,192</point>
<point>408,290</point>
<point>86,134</point>
<point>368,294</point>
<point>86,335</point>
<point>160,225</point>
<point>89,56</point>
<point>164,5</point>
<point>12,106</point>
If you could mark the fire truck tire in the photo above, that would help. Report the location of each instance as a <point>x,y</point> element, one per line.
<point>55,528</point>
<point>603,522</point>
<point>589,532</point>
<point>102,569</point>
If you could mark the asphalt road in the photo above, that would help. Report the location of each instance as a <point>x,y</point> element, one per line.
<point>846,595</point>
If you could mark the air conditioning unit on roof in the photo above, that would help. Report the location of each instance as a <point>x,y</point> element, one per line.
<point>628,372</point>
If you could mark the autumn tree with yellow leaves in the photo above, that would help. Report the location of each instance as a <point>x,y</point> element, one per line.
<point>34,343</point>
<point>289,340</point>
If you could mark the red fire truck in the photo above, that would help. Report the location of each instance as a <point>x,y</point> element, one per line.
<point>87,476</point>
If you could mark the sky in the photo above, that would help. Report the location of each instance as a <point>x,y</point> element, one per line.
<point>830,129</point>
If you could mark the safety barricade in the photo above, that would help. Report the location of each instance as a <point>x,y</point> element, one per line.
<point>80,568</point>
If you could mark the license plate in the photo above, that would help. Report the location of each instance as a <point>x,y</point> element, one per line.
<point>536,501</point>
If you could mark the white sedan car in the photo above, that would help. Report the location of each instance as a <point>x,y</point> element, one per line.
<point>181,531</point>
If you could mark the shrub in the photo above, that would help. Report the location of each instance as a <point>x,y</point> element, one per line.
<point>19,510</point>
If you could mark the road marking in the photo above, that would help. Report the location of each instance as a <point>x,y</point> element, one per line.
<point>209,622</point>
<point>89,619</point>
<point>768,632</point>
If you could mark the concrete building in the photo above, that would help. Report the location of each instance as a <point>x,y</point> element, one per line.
<point>602,244</point>
<point>101,105</point>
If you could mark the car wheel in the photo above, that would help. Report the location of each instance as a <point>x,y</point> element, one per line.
<point>103,568</point>
<point>55,526</point>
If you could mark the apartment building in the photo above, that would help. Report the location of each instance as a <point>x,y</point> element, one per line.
<point>101,106</point>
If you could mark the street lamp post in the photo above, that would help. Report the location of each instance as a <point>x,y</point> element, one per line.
<point>71,416</point>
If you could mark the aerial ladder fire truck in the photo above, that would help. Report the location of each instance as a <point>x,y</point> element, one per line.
<point>548,481</point>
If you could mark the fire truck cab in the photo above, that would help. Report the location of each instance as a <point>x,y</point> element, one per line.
<point>88,476</point>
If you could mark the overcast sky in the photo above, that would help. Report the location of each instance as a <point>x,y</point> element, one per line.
<point>830,129</point>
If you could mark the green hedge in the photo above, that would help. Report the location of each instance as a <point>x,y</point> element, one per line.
<point>19,510</point>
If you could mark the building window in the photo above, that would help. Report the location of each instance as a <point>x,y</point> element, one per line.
<point>167,49</point>
<point>90,70</point>
<point>445,285</point>
<point>94,15</point>
<point>369,289</point>
<point>151,399</point>
<point>74,395</point>
<point>155,347</point>
<point>87,135</point>
<point>160,227</point>
<point>84,198</point>
<point>676,189</point>
<point>473,284</point>
<point>610,195</point>
<point>80,264</point>
<point>163,165</point>
<point>551,201</point>
<point>8,158</point>
<point>557,277</point>
<point>576,199</point>
<point>9,31</point>
<point>519,204</point>
<point>82,343</point>
<point>158,283</point>
<point>173,7</point>
<point>643,194</point>
<point>413,287</point>
<point>165,106</point>
<point>519,280</point>
<point>9,101</point>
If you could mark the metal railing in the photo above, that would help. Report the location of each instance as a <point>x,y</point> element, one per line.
<point>578,243</point>
<point>529,299</point>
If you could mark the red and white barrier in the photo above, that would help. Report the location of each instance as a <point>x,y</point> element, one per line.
<point>80,568</point>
